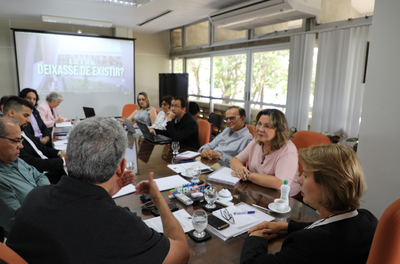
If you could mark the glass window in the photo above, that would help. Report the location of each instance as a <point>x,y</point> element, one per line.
<point>279,27</point>
<point>229,76</point>
<point>270,77</point>
<point>197,34</point>
<point>222,34</point>
<point>255,108</point>
<point>333,10</point>
<point>199,76</point>
<point>170,66</point>
<point>176,38</point>
<point>178,65</point>
<point>314,73</point>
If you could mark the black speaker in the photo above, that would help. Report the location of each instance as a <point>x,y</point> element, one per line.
<point>175,84</point>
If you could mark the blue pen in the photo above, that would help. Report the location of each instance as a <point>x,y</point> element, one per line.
<point>240,213</point>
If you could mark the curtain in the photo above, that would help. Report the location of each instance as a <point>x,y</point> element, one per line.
<point>338,86</point>
<point>299,83</point>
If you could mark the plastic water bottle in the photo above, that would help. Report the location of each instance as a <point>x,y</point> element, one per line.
<point>285,189</point>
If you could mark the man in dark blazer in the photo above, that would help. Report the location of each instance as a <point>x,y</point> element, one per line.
<point>36,128</point>
<point>181,126</point>
<point>49,161</point>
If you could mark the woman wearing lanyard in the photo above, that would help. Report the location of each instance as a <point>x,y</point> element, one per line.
<point>332,183</point>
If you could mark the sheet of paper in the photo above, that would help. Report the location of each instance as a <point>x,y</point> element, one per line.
<point>181,215</point>
<point>188,155</point>
<point>61,147</point>
<point>60,142</point>
<point>63,124</point>
<point>170,182</point>
<point>130,188</point>
<point>179,168</point>
<point>240,220</point>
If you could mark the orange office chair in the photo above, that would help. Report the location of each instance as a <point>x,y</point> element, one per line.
<point>9,256</point>
<point>128,109</point>
<point>385,246</point>
<point>305,139</point>
<point>204,132</point>
<point>251,129</point>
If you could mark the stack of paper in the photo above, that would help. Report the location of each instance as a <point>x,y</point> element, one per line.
<point>223,175</point>
<point>243,223</point>
<point>182,216</point>
<point>188,155</point>
<point>61,144</point>
<point>179,168</point>
<point>63,124</point>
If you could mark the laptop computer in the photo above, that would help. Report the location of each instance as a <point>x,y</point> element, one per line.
<point>150,137</point>
<point>129,125</point>
<point>89,112</point>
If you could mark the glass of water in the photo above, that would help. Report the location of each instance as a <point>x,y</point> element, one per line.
<point>196,173</point>
<point>210,194</point>
<point>199,222</point>
<point>130,165</point>
<point>175,147</point>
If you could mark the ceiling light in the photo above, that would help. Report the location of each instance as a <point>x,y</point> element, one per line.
<point>75,21</point>
<point>131,3</point>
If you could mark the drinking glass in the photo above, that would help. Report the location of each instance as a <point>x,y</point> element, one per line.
<point>199,222</point>
<point>196,173</point>
<point>130,165</point>
<point>175,148</point>
<point>210,194</point>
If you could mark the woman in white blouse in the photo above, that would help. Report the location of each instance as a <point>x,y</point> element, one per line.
<point>161,120</point>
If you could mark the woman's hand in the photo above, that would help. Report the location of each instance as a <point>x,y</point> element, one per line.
<point>260,233</point>
<point>241,173</point>
<point>269,227</point>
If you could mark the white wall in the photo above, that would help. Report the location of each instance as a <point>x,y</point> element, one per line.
<point>379,141</point>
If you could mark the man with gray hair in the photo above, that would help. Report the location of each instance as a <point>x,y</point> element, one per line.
<point>77,221</point>
<point>17,177</point>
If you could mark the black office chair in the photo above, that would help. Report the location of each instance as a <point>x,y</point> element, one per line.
<point>216,120</point>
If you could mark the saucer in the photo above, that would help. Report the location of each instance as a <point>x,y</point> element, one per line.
<point>285,210</point>
<point>185,175</point>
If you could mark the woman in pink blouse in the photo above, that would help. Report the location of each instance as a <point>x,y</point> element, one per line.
<point>49,112</point>
<point>271,156</point>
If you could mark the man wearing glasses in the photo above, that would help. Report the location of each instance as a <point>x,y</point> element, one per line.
<point>17,177</point>
<point>181,126</point>
<point>44,159</point>
<point>232,140</point>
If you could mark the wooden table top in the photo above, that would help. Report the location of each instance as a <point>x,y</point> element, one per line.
<point>154,158</point>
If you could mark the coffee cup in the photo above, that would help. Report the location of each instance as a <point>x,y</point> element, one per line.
<point>279,204</point>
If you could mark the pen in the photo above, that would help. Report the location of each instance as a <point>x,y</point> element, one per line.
<point>247,212</point>
<point>262,208</point>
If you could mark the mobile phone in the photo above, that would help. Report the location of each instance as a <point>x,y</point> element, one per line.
<point>216,222</point>
<point>172,206</point>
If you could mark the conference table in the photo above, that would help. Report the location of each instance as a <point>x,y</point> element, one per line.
<point>155,158</point>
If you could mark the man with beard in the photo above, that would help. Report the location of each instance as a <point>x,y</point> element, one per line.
<point>44,159</point>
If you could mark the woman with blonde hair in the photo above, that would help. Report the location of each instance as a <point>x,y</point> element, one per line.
<point>271,156</point>
<point>333,183</point>
<point>145,113</point>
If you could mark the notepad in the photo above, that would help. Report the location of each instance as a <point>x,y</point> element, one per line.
<point>179,168</point>
<point>224,175</point>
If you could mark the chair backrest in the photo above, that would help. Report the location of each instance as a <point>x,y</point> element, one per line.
<point>158,111</point>
<point>9,256</point>
<point>216,120</point>
<point>204,132</point>
<point>305,139</point>
<point>128,109</point>
<point>385,246</point>
<point>251,129</point>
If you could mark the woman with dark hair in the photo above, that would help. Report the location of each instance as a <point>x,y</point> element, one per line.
<point>36,128</point>
<point>145,113</point>
<point>161,120</point>
<point>271,156</point>
<point>333,183</point>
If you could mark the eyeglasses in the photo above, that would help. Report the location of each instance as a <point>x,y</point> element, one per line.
<point>227,216</point>
<point>15,140</point>
<point>232,118</point>
<point>176,106</point>
<point>266,126</point>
